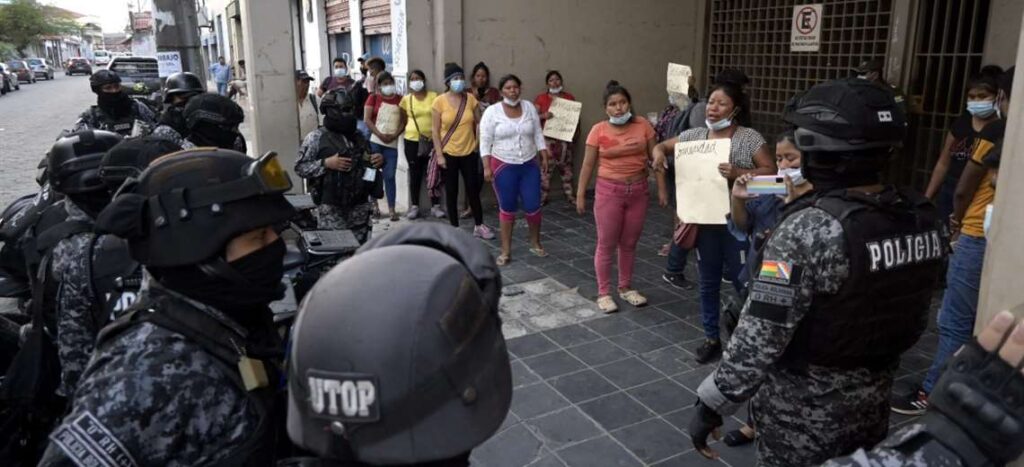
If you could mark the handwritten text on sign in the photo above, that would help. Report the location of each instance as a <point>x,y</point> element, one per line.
<point>566,115</point>
<point>679,78</point>
<point>388,118</point>
<point>702,194</point>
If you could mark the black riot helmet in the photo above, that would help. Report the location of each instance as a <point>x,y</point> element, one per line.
<point>214,109</point>
<point>182,83</point>
<point>73,163</point>
<point>101,78</point>
<point>401,378</point>
<point>338,100</point>
<point>130,157</point>
<point>185,207</point>
<point>846,129</point>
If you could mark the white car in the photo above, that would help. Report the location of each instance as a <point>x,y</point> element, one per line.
<point>101,58</point>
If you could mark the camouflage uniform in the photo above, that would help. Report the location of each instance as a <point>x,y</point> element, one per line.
<point>150,396</point>
<point>172,135</point>
<point>802,417</point>
<point>903,449</point>
<point>357,218</point>
<point>96,119</point>
<point>76,330</point>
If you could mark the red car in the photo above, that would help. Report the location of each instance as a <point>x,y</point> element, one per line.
<point>78,65</point>
<point>22,71</point>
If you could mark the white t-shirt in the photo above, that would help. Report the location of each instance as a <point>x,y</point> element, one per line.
<point>512,141</point>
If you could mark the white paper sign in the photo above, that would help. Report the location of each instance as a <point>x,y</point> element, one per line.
<point>679,78</point>
<point>806,28</point>
<point>702,194</point>
<point>566,116</point>
<point>168,63</point>
<point>388,118</point>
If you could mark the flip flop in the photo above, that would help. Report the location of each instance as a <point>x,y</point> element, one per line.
<point>736,438</point>
<point>539,252</point>
<point>502,260</point>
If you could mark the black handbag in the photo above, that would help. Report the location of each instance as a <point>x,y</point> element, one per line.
<point>424,145</point>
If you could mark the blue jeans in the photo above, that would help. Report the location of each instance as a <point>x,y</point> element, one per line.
<point>676,259</point>
<point>718,252</point>
<point>390,166</point>
<point>959,303</point>
<point>222,88</point>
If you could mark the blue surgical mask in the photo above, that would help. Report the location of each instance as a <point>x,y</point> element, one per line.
<point>981,109</point>
<point>719,125</point>
<point>794,174</point>
<point>622,119</point>
<point>340,72</point>
<point>458,85</point>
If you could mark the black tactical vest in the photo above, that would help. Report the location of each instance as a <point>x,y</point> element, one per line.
<point>342,189</point>
<point>116,278</point>
<point>896,245</point>
<point>120,125</point>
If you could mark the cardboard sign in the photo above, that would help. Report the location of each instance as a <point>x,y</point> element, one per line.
<point>806,33</point>
<point>388,118</point>
<point>168,63</point>
<point>702,194</point>
<point>679,78</point>
<point>562,126</point>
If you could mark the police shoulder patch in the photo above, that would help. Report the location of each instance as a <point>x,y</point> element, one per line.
<point>345,397</point>
<point>86,441</point>
<point>777,272</point>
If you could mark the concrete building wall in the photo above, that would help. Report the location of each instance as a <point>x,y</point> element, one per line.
<point>1001,38</point>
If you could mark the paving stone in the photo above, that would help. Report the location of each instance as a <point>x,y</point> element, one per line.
<point>528,346</point>
<point>739,455</point>
<point>581,386</point>
<point>514,447</point>
<point>513,328</point>
<point>693,458</point>
<point>563,427</point>
<point>652,440</point>
<point>677,332</point>
<point>553,364</point>
<point>568,299</point>
<point>628,372</point>
<point>548,459</point>
<point>692,379</point>
<point>616,410</point>
<point>661,296</point>
<point>612,325</point>
<point>521,275</point>
<point>569,336</point>
<point>550,319</point>
<point>598,352</point>
<point>522,375</point>
<point>681,418</point>
<point>536,399</point>
<point>639,341</point>
<point>650,316</point>
<point>584,313</point>
<point>669,360</point>
<point>663,396</point>
<point>543,286</point>
<point>603,452</point>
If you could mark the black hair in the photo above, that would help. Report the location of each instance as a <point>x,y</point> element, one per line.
<point>552,73</point>
<point>339,59</point>
<point>986,79</point>
<point>739,99</point>
<point>612,88</point>
<point>786,136</point>
<point>481,66</point>
<point>385,76</point>
<point>1006,81</point>
<point>506,79</point>
<point>733,76</point>
<point>376,63</point>
<point>418,72</point>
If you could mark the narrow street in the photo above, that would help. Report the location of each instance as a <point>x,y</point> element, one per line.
<point>30,121</point>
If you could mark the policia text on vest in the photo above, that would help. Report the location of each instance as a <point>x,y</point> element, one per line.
<point>895,252</point>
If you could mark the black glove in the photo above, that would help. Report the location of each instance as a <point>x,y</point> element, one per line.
<point>705,422</point>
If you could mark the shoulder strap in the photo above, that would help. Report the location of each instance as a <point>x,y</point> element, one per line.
<point>412,115</point>
<point>455,123</point>
<point>50,237</point>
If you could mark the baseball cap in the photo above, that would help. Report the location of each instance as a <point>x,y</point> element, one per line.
<point>301,74</point>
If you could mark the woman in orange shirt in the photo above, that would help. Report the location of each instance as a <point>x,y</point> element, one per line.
<point>621,148</point>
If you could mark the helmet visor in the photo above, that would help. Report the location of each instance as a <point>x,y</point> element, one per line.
<point>272,177</point>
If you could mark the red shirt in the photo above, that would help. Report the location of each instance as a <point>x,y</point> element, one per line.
<point>376,100</point>
<point>543,103</point>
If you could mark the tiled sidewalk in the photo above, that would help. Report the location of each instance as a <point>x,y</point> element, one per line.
<point>613,390</point>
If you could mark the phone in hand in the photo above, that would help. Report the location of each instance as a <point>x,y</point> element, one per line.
<point>767,185</point>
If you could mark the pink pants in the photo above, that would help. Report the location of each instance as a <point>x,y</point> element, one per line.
<point>619,212</point>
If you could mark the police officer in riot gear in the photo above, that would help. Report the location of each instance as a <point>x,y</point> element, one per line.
<point>842,289</point>
<point>415,378</point>
<point>179,88</point>
<point>115,110</point>
<point>212,120</point>
<point>187,375</point>
<point>335,159</point>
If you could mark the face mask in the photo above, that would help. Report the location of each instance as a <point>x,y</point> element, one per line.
<point>458,85</point>
<point>621,120</point>
<point>794,174</point>
<point>340,72</point>
<point>92,203</point>
<point>511,102</point>
<point>416,86</point>
<point>719,125</point>
<point>206,134</point>
<point>115,103</point>
<point>555,90</point>
<point>388,90</point>
<point>981,109</point>
<point>344,124</point>
<point>987,224</point>
<point>174,118</point>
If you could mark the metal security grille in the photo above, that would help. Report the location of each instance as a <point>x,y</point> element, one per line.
<point>338,20</point>
<point>948,39</point>
<point>376,17</point>
<point>754,35</point>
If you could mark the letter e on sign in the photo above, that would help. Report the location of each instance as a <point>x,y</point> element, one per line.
<point>806,28</point>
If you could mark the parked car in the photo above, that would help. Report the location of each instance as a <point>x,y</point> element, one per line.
<point>78,65</point>
<point>102,58</point>
<point>22,71</point>
<point>10,80</point>
<point>41,67</point>
<point>140,76</point>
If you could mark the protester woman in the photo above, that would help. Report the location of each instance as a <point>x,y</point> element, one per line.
<point>956,151</point>
<point>417,108</point>
<point>481,88</point>
<point>717,250</point>
<point>453,130</point>
<point>561,151</point>
<point>510,140</point>
<point>620,148</point>
<point>385,140</point>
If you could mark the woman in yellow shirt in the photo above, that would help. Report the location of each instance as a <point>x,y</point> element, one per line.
<point>453,129</point>
<point>418,105</point>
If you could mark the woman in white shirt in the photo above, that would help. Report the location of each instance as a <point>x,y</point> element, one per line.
<point>510,140</point>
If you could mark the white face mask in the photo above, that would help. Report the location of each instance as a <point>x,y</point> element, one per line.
<point>416,86</point>
<point>511,102</point>
<point>340,72</point>
<point>388,90</point>
<point>622,119</point>
<point>794,174</point>
<point>555,90</point>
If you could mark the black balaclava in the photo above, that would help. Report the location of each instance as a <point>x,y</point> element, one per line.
<point>340,122</point>
<point>209,134</point>
<point>91,203</point>
<point>117,104</point>
<point>258,283</point>
<point>174,117</point>
<point>829,171</point>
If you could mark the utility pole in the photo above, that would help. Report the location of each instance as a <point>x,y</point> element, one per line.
<point>177,30</point>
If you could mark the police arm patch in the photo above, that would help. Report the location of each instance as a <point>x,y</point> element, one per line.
<point>344,397</point>
<point>774,292</point>
<point>87,442</point>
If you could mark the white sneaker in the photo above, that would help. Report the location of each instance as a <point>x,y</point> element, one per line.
<point>438,212</point>
<point>413,213</point>
<point>483,232</point>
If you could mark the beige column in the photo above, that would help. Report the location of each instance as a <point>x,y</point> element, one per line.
<point>270,66</point>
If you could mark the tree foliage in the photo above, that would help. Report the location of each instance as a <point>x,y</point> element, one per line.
<point>23,22</point>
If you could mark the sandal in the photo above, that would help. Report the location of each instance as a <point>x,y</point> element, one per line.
<point>502,260</point>
<point>606,304</point>
<point>633,298</point>
<point>539,252</point>
<point>736,438</point>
